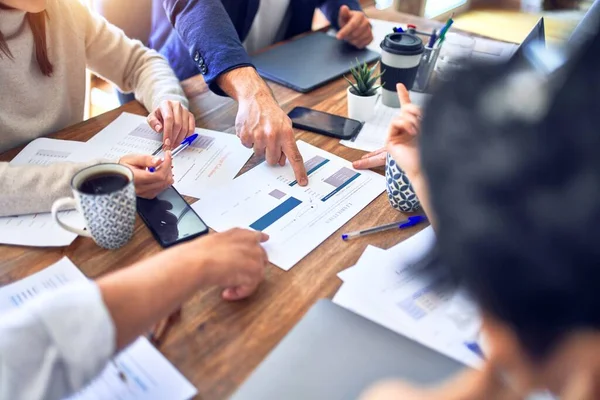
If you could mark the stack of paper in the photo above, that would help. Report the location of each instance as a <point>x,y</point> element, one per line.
<point>383,288</point>
<point>148,374</point>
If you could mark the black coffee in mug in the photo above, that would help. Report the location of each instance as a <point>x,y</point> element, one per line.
<point>103,183</point>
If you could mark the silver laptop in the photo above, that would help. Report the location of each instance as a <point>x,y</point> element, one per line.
<point>333,354</point>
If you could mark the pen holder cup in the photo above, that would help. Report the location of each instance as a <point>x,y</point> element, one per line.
<point>399,189</point>
<point>426,68</point>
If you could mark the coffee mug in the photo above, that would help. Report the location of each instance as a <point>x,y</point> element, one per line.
<point>401,54</point>
<point>104,194</point>
<point>400,191</point>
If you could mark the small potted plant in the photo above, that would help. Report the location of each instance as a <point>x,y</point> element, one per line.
<point>362,93</point>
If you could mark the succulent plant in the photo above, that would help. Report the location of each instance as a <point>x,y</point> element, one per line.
<point>365,79</point>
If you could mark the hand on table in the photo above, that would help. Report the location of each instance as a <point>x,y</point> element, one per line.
<point>235,261</point>
<point>355,28</point>
<point>174,121</point>
<point>149,184</point>
<point>262,125</point>
<point>402,141</point>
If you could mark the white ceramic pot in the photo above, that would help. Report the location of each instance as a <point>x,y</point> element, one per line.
<point>361,108</point>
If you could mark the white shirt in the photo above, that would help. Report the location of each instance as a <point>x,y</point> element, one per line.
<point>267,24</point>
<point>55,344</point>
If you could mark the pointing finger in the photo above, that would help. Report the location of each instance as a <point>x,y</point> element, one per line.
<point>403,95</point>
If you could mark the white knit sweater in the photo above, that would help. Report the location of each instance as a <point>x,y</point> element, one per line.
<point>33,105</point>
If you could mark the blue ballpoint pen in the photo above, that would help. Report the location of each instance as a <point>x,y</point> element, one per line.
<point>411,221</point>
<point>432,39</point>
<point>475,348</point>
<point>184,145</point>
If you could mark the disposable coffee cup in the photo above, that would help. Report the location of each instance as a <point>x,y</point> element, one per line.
<point>400,58</point>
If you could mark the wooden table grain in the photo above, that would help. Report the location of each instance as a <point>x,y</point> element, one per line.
<point>217,344</point>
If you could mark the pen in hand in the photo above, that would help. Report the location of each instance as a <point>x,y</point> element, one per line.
<point>188,141</point>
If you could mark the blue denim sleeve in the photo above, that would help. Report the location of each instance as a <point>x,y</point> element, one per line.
<point>209,35</point>
<point>331,9</point>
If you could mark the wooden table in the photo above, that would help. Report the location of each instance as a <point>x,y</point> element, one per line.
<point>218,344</point>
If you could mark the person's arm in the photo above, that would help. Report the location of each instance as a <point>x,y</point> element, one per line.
<point>233,260</point>
<point>29,189</point>
<point>54,345</point>
<point>133,67</point>
<point>213,43</point>
<point>211,39</point>
<point>58,343</point>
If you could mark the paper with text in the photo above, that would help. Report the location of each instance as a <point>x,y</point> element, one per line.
<point>39,229</point>
<point>214,159</point>
<point>149,375</point>
<point>296,218</point>
<point>382,288</point>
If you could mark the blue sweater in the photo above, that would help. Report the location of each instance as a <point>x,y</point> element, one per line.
<point>205,36</point>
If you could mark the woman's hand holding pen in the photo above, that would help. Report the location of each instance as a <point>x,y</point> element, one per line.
<point>174,121</point>
<point>149,184</point>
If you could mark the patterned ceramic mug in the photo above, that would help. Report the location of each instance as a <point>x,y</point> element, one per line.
<point>400,192</point>
<point>104,194</point>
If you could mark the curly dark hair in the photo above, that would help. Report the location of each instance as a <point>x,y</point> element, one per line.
<point>513,167</point>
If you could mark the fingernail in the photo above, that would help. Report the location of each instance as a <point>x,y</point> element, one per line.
<point>303,181</point>
<point>157,127</point>
<point>168,142</point>
<point>155,160</point>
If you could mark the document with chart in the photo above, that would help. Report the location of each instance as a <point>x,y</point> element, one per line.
<point>39,229</point>
<point>139,372</point>
<point>296,218</point>
<point>384,288</point>
<point>214,159</point>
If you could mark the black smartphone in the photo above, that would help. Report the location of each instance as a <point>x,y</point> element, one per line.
<point>324,123</point>
<point>170,218</point>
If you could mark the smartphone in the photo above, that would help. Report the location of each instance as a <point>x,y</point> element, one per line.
<point>170,218</point>
<point>324,123</point>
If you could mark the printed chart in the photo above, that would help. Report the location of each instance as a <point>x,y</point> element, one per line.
<point>212,160</point>
<point>296,218</point>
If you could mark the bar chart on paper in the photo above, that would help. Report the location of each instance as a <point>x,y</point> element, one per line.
<point>296,218</point>
<point>214,158</point>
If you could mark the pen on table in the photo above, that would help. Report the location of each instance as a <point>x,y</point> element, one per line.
<point>432,39</point>
<point>184,145</point>
<point>411,221</point>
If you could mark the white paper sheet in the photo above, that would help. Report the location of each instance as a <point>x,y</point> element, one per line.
<point>380,30</point>
<point>382,289</point>
<point>214,159</point>
<point>373,134</point>
<point>296,218</point>
<point>39,229</point>
<point>149,375</point>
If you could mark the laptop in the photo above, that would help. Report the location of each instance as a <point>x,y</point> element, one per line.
<point>537,36</point>
<point>311,61</point>
<point>334,354</point>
